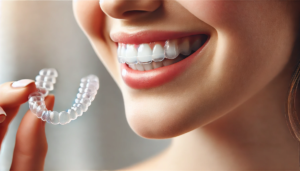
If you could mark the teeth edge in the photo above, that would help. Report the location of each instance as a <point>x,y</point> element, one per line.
<point>159,53</point>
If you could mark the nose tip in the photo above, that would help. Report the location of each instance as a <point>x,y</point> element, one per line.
<point>126,9</point>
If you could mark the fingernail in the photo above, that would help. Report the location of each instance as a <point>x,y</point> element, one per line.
<point>21,83</point>
<point>2,115</point>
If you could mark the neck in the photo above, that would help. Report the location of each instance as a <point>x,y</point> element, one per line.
<point>253,136</point>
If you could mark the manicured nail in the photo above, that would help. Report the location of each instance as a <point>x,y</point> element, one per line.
<point>2,115</point>
<point>21,83</point>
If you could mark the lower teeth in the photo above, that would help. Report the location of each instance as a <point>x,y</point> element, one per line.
<point>154,65</point>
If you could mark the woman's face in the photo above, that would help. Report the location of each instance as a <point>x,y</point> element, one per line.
<point>249,43</point>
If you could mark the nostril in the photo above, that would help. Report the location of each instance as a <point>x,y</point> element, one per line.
<point>133,12</point>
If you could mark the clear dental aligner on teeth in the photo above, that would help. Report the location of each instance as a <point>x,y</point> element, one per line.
<point>44,83</point>
<point>147,53</point>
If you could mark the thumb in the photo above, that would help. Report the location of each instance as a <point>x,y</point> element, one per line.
<point>31,143</point>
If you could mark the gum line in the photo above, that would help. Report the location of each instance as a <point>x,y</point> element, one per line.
<point>45,82</point>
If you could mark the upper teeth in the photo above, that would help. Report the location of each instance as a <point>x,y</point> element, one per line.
<point>148,52</point>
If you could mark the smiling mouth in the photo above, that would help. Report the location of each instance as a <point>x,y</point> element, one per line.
<point>153,55</point>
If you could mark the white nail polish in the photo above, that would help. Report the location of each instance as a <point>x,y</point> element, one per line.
<point>101,1</point>
<point>2,112</point>
<point>21,83</point>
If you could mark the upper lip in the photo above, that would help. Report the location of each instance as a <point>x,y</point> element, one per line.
<point>148,36</point>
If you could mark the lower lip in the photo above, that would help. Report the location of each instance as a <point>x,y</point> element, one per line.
<point>156,77</point>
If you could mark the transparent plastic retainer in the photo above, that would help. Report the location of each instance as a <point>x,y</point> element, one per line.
<point>45,82</point>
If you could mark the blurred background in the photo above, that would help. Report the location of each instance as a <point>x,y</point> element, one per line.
<point>43,34</point>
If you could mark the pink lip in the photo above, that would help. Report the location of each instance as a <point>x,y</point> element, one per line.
<point>149,36</point>
<point>156,77</point>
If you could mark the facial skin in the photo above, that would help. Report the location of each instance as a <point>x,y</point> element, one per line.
<point>250,46</point>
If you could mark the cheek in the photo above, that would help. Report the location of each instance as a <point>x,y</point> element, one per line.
<point>214,13</point>
<point>247,34</point>
<point>95,25</point>
<point>89,17</point>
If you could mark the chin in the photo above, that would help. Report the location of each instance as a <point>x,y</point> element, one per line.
<point>147,126</point>
<point>163,121</point>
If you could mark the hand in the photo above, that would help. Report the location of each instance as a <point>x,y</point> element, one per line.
<point>31,144</point>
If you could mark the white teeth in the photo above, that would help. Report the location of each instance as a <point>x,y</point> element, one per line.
<point>171,49</point>
<point>196,45</point>
<point>144,53</point>
<point>131,54</point>
<point>132,66</point>
<point>119,54</point>
<point>157,65</point>
<point>158,53</point>
<point>123,52</point>
<point>147,67</point>
<point>184,47</point>
<point>140,67</point>
<point>144,57</point>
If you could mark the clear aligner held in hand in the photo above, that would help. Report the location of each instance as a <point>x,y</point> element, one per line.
<point>45,82</point>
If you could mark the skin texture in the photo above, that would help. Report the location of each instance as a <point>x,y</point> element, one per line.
<point>243,49</point>
<point>226,111</point>
<point>31,144</point>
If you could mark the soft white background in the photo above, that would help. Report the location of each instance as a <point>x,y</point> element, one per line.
<point>43,34</point>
